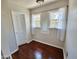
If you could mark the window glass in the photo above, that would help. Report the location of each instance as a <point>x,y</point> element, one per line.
<point>35,20</point>
<point>56,18</point>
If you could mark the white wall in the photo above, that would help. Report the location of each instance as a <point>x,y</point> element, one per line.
<point>47,35</point>
<point>53,36</point>
<point>71,36</point>
<point>28,26</point>
<point>8,42</point>
<point>23,9</point>
<point>50,37</point>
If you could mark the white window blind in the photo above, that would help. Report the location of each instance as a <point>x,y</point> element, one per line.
<point>35,20</point>
<point>57,18</point>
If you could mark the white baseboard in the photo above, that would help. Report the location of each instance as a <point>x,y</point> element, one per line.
<point>9,55</point>
<point>48,43</point>
<point>15,50</point>
<point>28,41</point>
<point>52,45</point>
<point>40,42</point>
<point>64,54</point>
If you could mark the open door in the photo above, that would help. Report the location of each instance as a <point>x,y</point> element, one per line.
<point>19,26</point>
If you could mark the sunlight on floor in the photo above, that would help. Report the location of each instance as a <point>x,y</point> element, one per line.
<point>38,55</point>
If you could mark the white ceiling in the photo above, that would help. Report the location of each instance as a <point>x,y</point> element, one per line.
<point>29,3</point>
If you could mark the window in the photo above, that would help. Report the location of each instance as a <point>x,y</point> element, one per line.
<point>35,20</point>
<point>56,18</point>
<point>53,20</point>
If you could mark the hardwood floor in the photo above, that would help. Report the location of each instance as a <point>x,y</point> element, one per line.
<point>37,50</point>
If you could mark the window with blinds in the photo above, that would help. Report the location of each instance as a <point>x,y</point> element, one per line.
<point>56,18</point>
<point>36,20</point>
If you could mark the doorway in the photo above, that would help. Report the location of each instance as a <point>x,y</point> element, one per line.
<point>19,26</point>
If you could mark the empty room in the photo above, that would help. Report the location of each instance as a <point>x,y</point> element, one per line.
<point>38,29</point>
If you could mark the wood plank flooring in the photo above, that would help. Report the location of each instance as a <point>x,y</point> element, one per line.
<point>37,50</point>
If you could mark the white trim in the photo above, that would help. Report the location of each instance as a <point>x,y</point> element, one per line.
<point>26,41</point>
<point>15,50</point>
<point>54,46</point>
<point>11,57</point>
<point>64,54</point>
<point>50,6</point>
<point>11,54</point>
<point>29,41</point>
<point>5,56</point>
<point>18,12</point>
<point>8,56</point>
<point>48,44</point>
<point>40,42</point>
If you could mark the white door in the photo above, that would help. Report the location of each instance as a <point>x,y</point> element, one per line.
<point>19,27</point>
